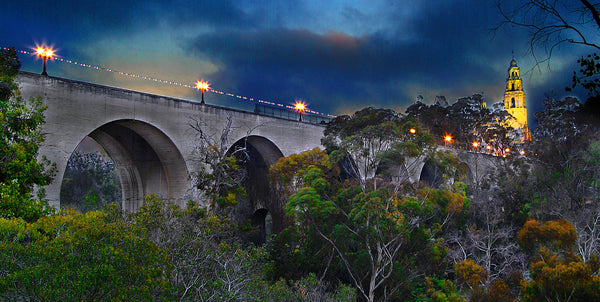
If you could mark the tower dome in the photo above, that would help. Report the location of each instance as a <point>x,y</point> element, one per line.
<point>513,63</point>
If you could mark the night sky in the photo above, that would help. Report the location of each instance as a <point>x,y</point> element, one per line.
<point>337,55</point>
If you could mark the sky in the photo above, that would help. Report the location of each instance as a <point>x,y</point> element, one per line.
<point>337,56</point>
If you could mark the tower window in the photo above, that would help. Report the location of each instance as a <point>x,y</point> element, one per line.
<point>512,104</point>
<point>513,86</point>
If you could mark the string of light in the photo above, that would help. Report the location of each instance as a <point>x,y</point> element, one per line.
<point>174,83</point>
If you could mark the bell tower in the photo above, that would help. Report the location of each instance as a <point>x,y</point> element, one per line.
<point>514,100</point>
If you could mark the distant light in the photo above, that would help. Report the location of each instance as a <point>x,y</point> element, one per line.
<point>507,150</point>
<point>476,144</point>
<point>412,130</point>
<point>448,138</point>
<point>522,152</point>
<point>489,147</point>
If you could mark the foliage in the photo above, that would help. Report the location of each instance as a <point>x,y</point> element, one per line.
<point>220,177</point>
<point>89,183</point>
<point>554,235</point>
<point>466,121</point>
<point>309,289</point>
<point>556,273</point>
<point>571,281</point>
<point>80,257</point>
<point>440,291</point>
<point>371,138</point>
<point>470,274</point>
<point>20,131</point>
<point>381,239</point>
<point>587,76</point>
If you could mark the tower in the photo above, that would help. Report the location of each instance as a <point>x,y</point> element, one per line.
<point>514,100</point>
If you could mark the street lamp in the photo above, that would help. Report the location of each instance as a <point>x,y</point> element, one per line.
<point>44,53</point>
<point>413,131</point>
<point>300,107</point>
<point>203,86</point>
<point>475,145</point>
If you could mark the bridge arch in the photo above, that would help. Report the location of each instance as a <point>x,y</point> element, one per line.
<point>146,159</point>
<point>261,153</point>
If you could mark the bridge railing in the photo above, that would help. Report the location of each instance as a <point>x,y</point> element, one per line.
<point>290,114</point>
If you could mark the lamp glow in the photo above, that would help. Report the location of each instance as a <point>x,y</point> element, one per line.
<point>202,86</point>
<point>45,53</point>
<point>300,106</point>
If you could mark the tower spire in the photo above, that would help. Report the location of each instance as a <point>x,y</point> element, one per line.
<point>514,99</point>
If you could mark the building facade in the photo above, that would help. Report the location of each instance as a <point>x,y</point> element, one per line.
<point>514,100</point>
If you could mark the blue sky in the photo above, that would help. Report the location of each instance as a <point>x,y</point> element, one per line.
<point>337,56</point>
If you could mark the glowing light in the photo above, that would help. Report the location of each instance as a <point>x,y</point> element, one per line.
<point>202,85</point>
<point>166,82</point>
<point>300,106</point>
<point>476,144</point>
<point>412,130</point>
<point>507,150</point>
<point>489,147</point>
<point>44,53</point>
<point>522,152</point>
<point>448,138</point>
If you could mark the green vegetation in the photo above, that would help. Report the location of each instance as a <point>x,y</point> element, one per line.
<point>20,137</point>
<point>90,183</point>
<point>357,228</point>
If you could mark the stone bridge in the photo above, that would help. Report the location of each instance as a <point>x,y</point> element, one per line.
<point>149,137</point>
<point>150,140</point>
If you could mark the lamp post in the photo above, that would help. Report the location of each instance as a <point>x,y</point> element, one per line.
<point>45,54</point>
<point>300,107</point>
<point>202,86</point>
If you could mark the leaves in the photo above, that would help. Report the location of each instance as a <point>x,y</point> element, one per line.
<point>20,138</point>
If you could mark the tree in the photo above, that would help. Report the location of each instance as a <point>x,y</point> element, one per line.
<point>383,237</point>
<point>372,137</point>
<point>551,23</point>
<point>221,177</point>
<point>466,121</point>
<point>20,132</point>
<point>88,177</point>
<point>83,257</point>
<point>556,273</point>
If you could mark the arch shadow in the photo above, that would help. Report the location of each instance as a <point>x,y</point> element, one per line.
<point>260,153</point>
<point>146,159</point>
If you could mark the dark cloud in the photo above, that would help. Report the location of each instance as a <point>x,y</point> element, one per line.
<point>81,18</point>
<point>382,53</point>
<point>445,50</point>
